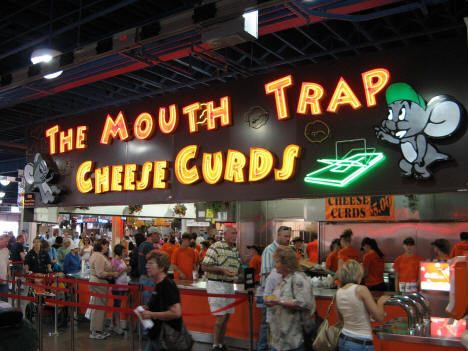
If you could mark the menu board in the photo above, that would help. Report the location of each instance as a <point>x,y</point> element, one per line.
<point>435,276</point>
<point>360,208</point>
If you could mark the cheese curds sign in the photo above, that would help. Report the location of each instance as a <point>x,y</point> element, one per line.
<point>223,165</point>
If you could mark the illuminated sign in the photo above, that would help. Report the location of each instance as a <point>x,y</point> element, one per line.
<point>311,93</point>
<point>435,276</point>
<point>342,172</point>
<point>128,177</point>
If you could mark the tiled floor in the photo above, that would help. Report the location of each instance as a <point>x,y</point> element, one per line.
<point>112,343</point>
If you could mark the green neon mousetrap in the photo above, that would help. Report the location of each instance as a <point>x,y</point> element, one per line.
<point>342,171</point>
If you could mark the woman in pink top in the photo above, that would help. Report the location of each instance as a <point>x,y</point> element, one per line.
<point>119,265</point>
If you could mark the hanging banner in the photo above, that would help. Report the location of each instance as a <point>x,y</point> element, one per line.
<point>360,208</point>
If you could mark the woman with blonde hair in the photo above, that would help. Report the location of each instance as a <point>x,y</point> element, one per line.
<point>292,303</point>
<point>355,307</point>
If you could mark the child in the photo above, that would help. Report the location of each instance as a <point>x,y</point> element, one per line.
<point>119,265</point>
<point>406,268</point>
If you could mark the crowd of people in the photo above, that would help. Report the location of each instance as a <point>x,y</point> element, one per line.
<point>287,294</point>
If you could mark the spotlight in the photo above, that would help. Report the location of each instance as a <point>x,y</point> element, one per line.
<point>45,55</point>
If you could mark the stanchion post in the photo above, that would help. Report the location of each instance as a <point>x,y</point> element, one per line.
<point>55,332</point>
<point>140,331</point>
<point>40,302</point>
<point>13,289</point>
<point>250,297</point>
<point>72,318</point>
<point>18,292</point>
<point>130,320</point>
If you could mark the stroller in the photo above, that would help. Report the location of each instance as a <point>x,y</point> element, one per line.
<point>31,310</point>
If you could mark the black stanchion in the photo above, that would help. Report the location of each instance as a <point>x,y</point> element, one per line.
<point>249,285</point>
<point>40,303</point>
<point>55,332</point>
<point>18,292</point>
<point>72,318</point>
<point>140,331</point>
<point>13,289</point>
<point>250,297</point>
<point>130,320</point>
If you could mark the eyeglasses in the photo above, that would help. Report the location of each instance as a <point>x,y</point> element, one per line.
<point>283,227</point>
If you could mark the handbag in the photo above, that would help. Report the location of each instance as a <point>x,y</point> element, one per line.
<point>174,340</point>
<point>327,335</point>
<point>171,339</point>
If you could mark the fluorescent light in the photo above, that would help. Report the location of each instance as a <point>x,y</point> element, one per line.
<point>251,23</point>
<point>45,55</point>
<point>4,182</point>
<point>14,209</point>
<point>2,194</point>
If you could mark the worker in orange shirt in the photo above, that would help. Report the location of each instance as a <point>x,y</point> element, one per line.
<point>347,252</point>
<point>406,268</point>
<point>298,246</point>
<point>170,245</point>
<point>312,249</point>
<point>441,249</point>
<point>256,261</point>
<point>460,249</point>
<point>373,262</point>
<point>184,259</point>
<point>331,263</point>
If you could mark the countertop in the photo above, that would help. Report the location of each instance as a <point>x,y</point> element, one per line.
<point>397,330</point>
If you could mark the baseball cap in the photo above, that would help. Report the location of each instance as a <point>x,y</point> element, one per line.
<point>403,91</point>
<point>441,244</point>
<point>256,247</point>
<point>152,230</point>
<point>296,239</point>
<point>73,245</point>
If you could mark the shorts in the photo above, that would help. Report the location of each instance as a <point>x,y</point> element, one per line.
<point>17,268</point>
<point>118,302</point>
<point>216,303</point>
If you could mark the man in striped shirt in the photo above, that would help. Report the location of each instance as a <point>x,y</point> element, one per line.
<point>282,238</point>
<point>222,267</point>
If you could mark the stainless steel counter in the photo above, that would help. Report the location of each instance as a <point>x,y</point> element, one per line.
<point>397,330</point>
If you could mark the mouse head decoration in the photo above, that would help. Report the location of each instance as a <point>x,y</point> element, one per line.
<point>411,122</point>
<point>38,176</point>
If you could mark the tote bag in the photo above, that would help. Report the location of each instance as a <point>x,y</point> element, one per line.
<point>328,335</point>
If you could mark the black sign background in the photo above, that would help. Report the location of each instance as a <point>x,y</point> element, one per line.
<point>432,70</point>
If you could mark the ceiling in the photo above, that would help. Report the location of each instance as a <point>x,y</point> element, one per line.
<point>116,52</point>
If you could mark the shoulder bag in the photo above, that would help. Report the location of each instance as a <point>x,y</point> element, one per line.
<point>171,339</point>
<point>327,335</point>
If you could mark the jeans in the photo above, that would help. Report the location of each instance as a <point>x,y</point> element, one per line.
<point>300,348</point>
<point>146,282</point>
<point>262,344</point>
<point>348,345</point>
<point>4,290</point>
<point>153,345</point>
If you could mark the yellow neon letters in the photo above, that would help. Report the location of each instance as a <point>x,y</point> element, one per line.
<point>183,174</point>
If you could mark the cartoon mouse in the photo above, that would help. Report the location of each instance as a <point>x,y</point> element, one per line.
<point>35,174</point>
<point>410,123</point>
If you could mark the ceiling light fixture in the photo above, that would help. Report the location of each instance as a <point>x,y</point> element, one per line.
<point>45,55</point>
<point>4,182</point>
<point>2,194</point>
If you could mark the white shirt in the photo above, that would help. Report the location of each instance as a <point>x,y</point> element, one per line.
<point>4,262</point>
<point>271,281</point>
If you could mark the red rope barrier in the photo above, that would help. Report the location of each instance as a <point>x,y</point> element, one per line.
<point>21,297</point>
<point>47,287</point>
<point>231,305</point>
<point>118,297</point>
<point>87,282</point>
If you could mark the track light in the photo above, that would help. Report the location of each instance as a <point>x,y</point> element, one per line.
<point>45,55</point>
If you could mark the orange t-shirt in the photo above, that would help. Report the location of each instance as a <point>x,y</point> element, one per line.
<point>407,268</point>
<point>169,248</point>
<point>312,251</point>
<point>459,249</point>
<point>256,264</point>
<point>332,261</point>
<point>202,255</point>
<point>375,268</point>
<point>348,253</point>
<point>184,259</point>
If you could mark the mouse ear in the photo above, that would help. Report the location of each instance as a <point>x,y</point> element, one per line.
<point>444,116</point>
